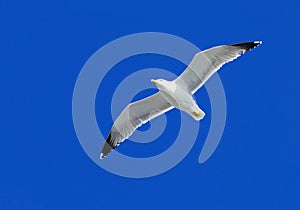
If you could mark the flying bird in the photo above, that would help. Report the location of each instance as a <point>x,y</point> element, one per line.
<point>174,94</point>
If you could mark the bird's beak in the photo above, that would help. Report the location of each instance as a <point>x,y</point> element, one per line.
<point>154,81</point>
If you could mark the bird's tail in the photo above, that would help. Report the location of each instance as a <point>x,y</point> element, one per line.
<point>198,114</point>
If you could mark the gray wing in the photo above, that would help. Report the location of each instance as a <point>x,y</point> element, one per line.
<point>132,117</point>
<point>206,63</point>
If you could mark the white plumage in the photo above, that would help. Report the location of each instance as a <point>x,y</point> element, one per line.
<point>177,93</point>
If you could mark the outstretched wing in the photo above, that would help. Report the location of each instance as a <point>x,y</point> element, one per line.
<point>206,63</point>
<point>132,117</point>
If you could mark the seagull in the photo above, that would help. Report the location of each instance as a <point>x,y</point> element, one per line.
<point>174,94</point>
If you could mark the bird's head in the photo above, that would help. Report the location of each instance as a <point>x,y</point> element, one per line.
<point>160,83</point>
<point>164,85</point>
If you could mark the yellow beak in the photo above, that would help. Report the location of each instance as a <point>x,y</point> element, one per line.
<point>154,81</point>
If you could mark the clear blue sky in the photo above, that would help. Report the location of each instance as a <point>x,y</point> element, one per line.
<point>43,46</point>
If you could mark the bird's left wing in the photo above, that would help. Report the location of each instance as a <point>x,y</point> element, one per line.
<point>132,117</point>
<point>206,63</point>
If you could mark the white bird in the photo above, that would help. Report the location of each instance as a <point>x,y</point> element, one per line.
<point>177,93</point>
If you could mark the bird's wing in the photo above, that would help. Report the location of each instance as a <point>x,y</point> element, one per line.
<point>206,63</point>
<point>132,117</point>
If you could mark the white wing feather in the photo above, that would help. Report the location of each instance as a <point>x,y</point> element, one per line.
<point>206,63</point>
<point>132,117</point>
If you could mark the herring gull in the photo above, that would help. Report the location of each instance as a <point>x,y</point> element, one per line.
<point>177,93</point>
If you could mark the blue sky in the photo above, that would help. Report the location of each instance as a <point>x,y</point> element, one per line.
<point>43,48</point>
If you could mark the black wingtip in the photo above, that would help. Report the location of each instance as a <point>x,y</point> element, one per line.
<point>247,45</point>
<point>107,147</point>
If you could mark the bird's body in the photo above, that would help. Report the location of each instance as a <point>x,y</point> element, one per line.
<point>179,97</point>
<point>174,94</point>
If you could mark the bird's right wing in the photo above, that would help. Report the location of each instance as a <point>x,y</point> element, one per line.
<point>132,117</point>
<point>206,63</point>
